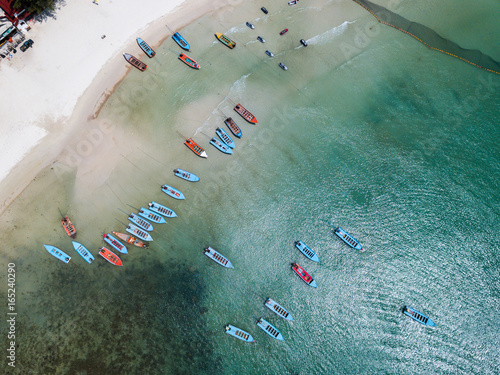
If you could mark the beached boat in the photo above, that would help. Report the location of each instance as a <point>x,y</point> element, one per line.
<point>283,66</point>
<point>261,39</point>
<point>185,175</point>
<point>146,48</point>
<point>225,40</point>
<point>189,61</point>
<point>217,257</point>
<point>243,112</point>
<point>307,251</point>
<point>235,129</point>
<point>141,223</point>
<point>196,148</point>
<point>150,215</point>
<point>165,211</point>
<point>136,231</point>
<point>348,239</point>
<point>181,41</point>
<point>303,42</point>
<point>58,253</point>
<point>117,245</point>
<point>308,279</point>
<point>174,193</point>
<point>270,329</point>
<point>224,137</point>
<point>250,25</point>
<point>68,227</point>
<point>283,32</point>
<point>238,333</point>
<point>82,250</point>
<point>278,309</point>
<point>269,53</point>
<point>221,147</point>
<point>130,239</point>
<point>418,316</point>
<point>132,60</point>
<point>110,256</point>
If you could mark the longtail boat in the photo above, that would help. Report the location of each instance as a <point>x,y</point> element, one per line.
<point>225,40</point>
<point>220,146</point>
<point>132,229</point>
<point>146,48</point>
<point>141,223</point>
<point>270,329</point>
<point>235,129</point>
<point>196,148</point>
<point>58,253</point>
<point>117,245</point>
<point>68,227</point>
<point>150,215</point>
<point>348,239</point>
<point>238,333</point>
<point>132,60</point>
<point>307,251</point>
<point>130,239</point>
<point>224,137</point>
<point>247,115</point>
<point>174,193</point>
<point>82,250</point>
<point>165,211</point>
<point>185,175</point>
<point>217,257</point>
<point>278,309</point>
<point>308,279</point>
<point>181,41</point>
<point>418,316</point>
<point>110,256</point>
<point>189,61</point>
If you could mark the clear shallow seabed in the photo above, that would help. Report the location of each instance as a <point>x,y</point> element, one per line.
<point>395,143</point>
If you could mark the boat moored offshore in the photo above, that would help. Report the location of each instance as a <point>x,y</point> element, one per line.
<point>82,250</point>
<point>195,148</point>
<point>58,253</point>
<point>146,48</point>
<point>348,239</point>
<point>217,257</point>
<point>250,25</point>
<point>270,329</point>
<point>141,223</point>
<point>235,129</point>
<point>110,256</point>
<point>221,147</point>
<point>269,53</point>
<point>306,250</point>
<point>136,231</point>
<point>174,193</point>
<point>283,66</point>
<point>117,245</point>
<point>161,209</point>
<point>150,215</point>
<point>246,114</point>
<point>418,316</point>
<point>181,41</point>
<point>224,137</point>
<point>189,61</point>
<point>261,39</point>
<point>225,40</point>
<point>134,61</point>
<point>68,227</point>
<point>130,239</point>
<point>185,175</point>
<point>308,279</point>
<point>278,309</point>
<point>238,333</point>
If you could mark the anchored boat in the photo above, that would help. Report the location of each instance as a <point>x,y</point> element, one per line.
<point>235,129</point>
<point>165,211</point>
<point>132,229</point>
<point>283,32</point>
<point>82,250</point>
<point>264,10</point>
<point>269,53</point>
<point>225,40</point>
<point>303,42</point>
<point>130,239</point>
<point>181,41</point>
<point>59,254</point>
<point>308,279</point>
<point>146,48</point>
<point>270,329</point>
<point>185,175</point>
<point>247,115</point>
<point>217,257</point>
<point>221,147</point>
<point>278,309</point>
<point>132,60</point>
<point>141,223</point>
<point>174,193</point>
<point>195,148</point>
<point>283,66</point>
<point>238,333</point>
<point>145,213</point>
<point>250,25</point>
<point>110,256</point>
<point>418,316</point>
<point>189,61</point>
<point>68,227</point>
<point>117,245</point>
<point>307,251</point>
<point>224,137</point>
<point>348,239</point>
<point>261,39</point>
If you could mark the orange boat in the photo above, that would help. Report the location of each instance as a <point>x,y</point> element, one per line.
<point>195,148</point>
<point>68,227</point>
<point>132,60</point>
<point>189,61</point>
<point>129,239</point>
<point>110,256</point>
<point>245,113</point>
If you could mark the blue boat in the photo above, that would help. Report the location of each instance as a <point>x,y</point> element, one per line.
<point>278,309</point>
<point>270,329</point>
<point>150,215</point>
<point>82,250</point>
<point>146,48</point>
<point>141,223</point>
<point>174,193</point>
<point>163,210</point>
<point>307,251</point>
<point>138,232</point>
<point>59,254</point>
<point>348,239</point>
<point>221,147</point>
<point>418,316</point>
<point>238,333</point>
<point>185,175</point>
<point>181,41</point>
<point>117,245</point>
<point>235,129</point>
<point>224,137</point>
<point>217,257</point>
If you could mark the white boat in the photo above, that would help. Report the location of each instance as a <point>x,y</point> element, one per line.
<point>278,309</point>
<point>217,257</point>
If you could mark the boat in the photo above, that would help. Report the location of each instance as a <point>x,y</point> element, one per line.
<point>82,250</point>
<point>283,32</point>
<point>110,256</point>
<point>165,211</point>
<point>58,253</point>
<point>307,251</point>
<point>130,239</point>
<point>235,129</point>
<point>224,137</point>
<point>225,40</point>
<point>270,329</point>
<point>238,333</point>
<point>132,229</point>
<point>245,114</point>
<point>293,2</point>
<point>174,193</point>
<point>303,42</point>
<point>132,60</point>
<point>181,41</point>
<point>283,66</point>
<point>418,316</point>
<point>68,227</point>
<point>221,147</point>
<point>141,223</point>
<point>348,239</point>
<point>185,175</point>
<point>195,148</point>
<point>278,309</point>
<point>146,48</point>
<point>269,53</point>
<point>264,10</point>
<point>308,279</point>
<point>150,215</point>
<point>250,25</point>
<point>189,61</point>
<point>217,257</point>
<point>261,39</point>
<point>117,245</point>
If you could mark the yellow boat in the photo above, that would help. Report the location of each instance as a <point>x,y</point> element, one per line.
<point>225,40</point>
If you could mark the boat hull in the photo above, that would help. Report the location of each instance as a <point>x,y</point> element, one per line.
<point>239,333</point>
<point>270,329</point>
<point>146,48</point>
<point>235,129</point>
<point>150,215</point>
<point>82,250</point>
<point>136,231</point>
<point>189,61</point>
<point>278,309</point>
<point>170,191</point>
<point>68,227</point>
<point>307,251</point>
<point>243,112</point>
<point>224,137</point>
<point>113,242</point>
<point>134,61</point>
<point>110,256</point>
<point>225,40</point>
<point>348,239</point>
<point>418,316</point>
<point>217,257</point>
<point>185,175</point>
<point>58,253</point>
<point>141,223</point>
<point>163,210</point>
<point>221,147</point>
<point>130,239</point>
<point>308,279</point>
<point>193,146</point>
<point>181,41</point>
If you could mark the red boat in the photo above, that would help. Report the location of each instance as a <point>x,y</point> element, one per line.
<point>129,239</point>
<point>196,148</point>
<point>308,279</point>
<point>68,227</point>
<point>284,31</point>
<point>189,61</point>
<point>245,113</point>
<point>110,256</point>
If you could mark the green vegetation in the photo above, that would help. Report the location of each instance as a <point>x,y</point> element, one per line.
<point>33,6</point>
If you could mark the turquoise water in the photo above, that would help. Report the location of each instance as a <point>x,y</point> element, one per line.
<point>391,141</point>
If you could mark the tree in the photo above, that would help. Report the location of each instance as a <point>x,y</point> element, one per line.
<point>33,6</point>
